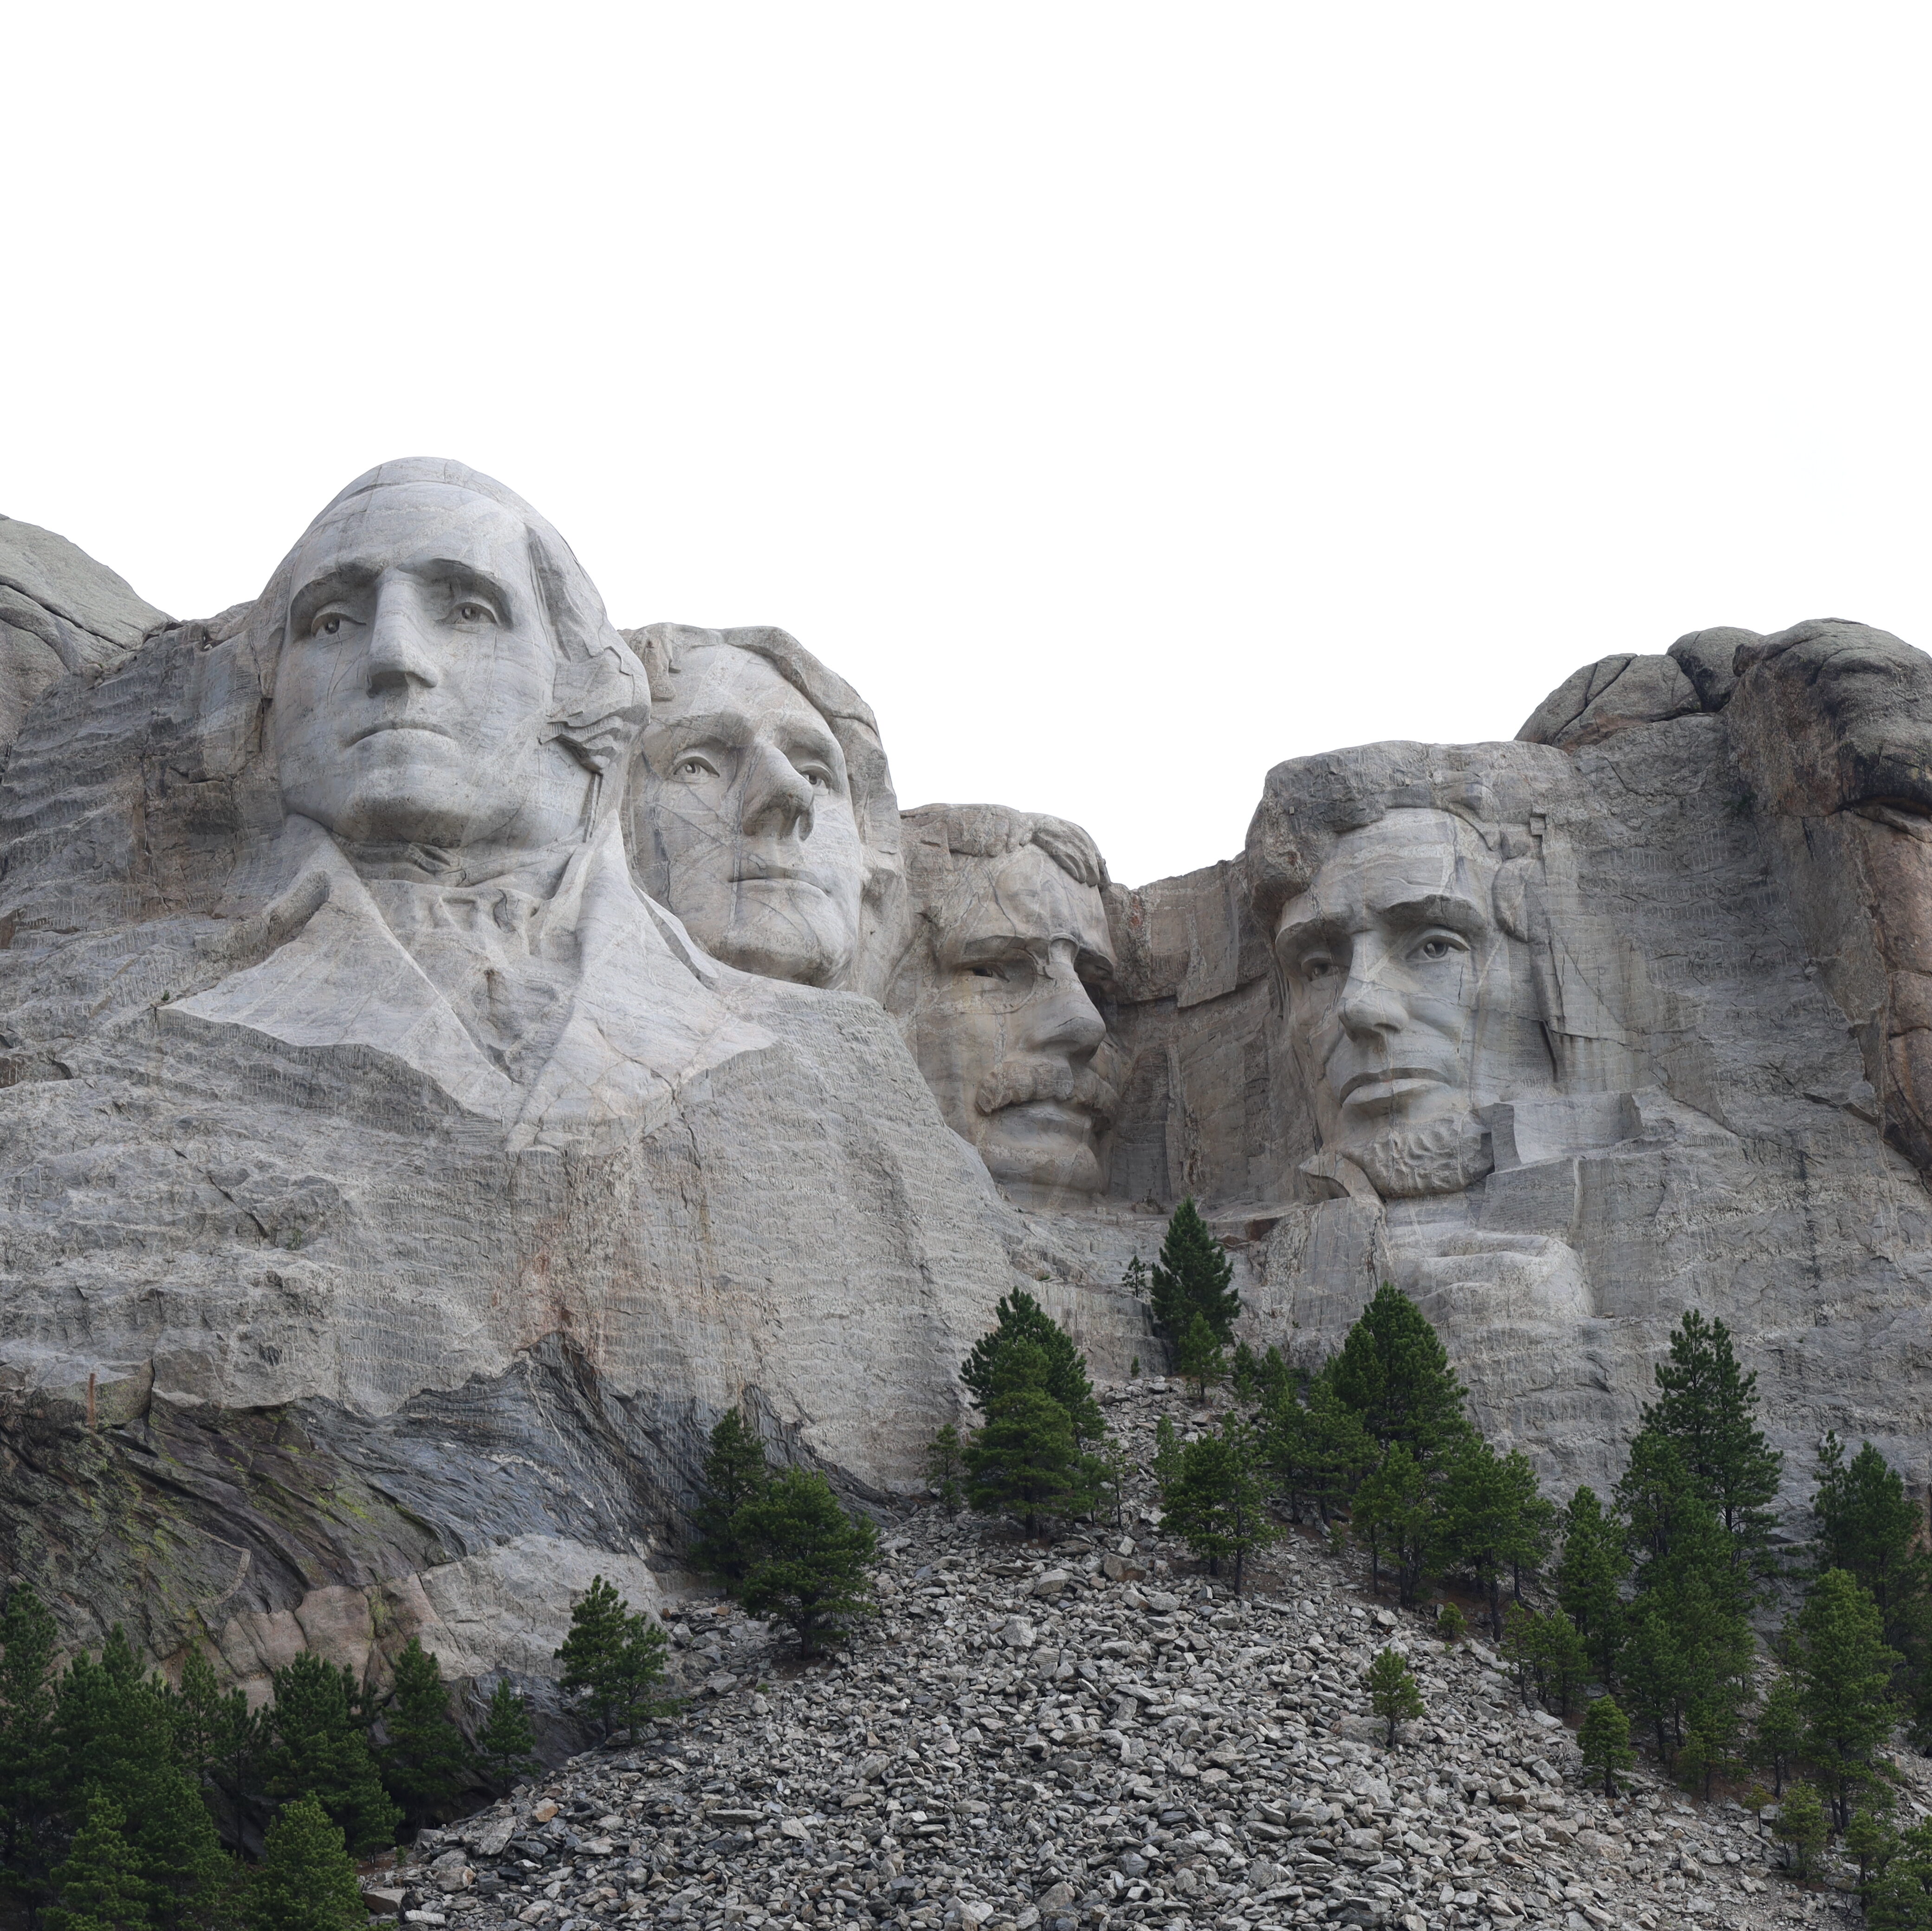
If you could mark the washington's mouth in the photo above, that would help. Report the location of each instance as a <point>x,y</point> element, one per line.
<point>402,724</point>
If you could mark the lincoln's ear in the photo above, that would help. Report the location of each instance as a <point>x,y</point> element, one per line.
<point>597,708</point>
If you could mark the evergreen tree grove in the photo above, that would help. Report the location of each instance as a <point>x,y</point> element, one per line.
<point>1589,1572</point>
<point>30,1806</point>
<point>1193,1275</point>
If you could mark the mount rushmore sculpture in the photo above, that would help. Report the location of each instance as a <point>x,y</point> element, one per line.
<point>451,1049</point>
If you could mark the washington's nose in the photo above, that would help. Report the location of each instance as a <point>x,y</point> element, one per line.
<point>399,657</point>
<point>778,795</point>
<point>1368,1007</point>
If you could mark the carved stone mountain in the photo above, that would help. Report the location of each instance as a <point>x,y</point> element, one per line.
<point>451,1050</point>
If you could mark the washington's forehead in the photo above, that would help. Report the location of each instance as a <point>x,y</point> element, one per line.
<point>421,522</point>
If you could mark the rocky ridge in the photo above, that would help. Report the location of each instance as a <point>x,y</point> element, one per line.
<point>1094,1735</point>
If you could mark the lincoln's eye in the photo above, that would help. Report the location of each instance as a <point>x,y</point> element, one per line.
<point>1437,948</point>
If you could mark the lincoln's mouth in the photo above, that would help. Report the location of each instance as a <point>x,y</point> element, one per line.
<point>1388,1083</point>
<point>1076,1118</point>
<point>1910,815</point>
<point>402,724</point>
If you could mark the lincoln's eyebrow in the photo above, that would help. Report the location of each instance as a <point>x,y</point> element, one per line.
<point>1435,908</point>
<point>1319,928</point>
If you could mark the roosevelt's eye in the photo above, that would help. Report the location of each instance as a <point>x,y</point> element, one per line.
<point>1317,965</point>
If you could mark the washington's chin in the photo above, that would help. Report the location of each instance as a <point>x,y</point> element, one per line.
<point>799,949</point>
<point>1043,1143</point>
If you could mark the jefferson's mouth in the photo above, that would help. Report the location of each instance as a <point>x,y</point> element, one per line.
<point>775,875</point>
<point>401,724</point>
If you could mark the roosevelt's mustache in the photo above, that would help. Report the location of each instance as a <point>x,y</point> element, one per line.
<point>1019,1082</point>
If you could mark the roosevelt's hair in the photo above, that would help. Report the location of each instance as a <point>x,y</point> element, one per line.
<point>937,835</point>
<point>601,695</point>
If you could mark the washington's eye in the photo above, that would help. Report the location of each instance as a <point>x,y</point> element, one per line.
<point>327,623</point>
<point>471,611</point>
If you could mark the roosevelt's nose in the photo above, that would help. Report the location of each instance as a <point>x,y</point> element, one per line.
<point>778,795</point>
<point>1368,1008</point>
<point>400,657</point>
<point>1064,1017</point>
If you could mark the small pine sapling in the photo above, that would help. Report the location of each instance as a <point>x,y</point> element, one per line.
<point>1393,1694</point>
<point>814,1568</point>
<point>946,1469</point>
<point>505,1741</point>
<point>1605,1740</point>
<point>1800,1826</point>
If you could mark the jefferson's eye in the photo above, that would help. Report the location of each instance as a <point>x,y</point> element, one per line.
<point>328,623</point>
<point>693,767</point>
<point>819,780</point>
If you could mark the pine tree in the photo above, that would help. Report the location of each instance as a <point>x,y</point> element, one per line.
<point>425,1762</point>
<point>614,1657</point>
<point>1392,1693</point>
<point>1801,1825</point>
<point>1392,1371</point>
<point>1589,1573</point>
<point>100,1888</point>
<point>735,1473</point>
<point>1604,1738</point>
<point>1198,1355</point>
<point>1779,1733</point>
<point>1213,1496</point>
<point>1900,1897</point>
<point>506,1742</point>
<point>319,1747</point>
<point>1869,1838</point>
<point>1494,1521</point>
<point>1395,1510</point>
<point>116,1727</point>
<point>1193,1275</point>
<point>816,1566</point>
<point>1024,1462</point>
<point>1548,1654</point>
<point>30,1801</point>
<point>1318,1448</point>
<point>305,1881</point>
<point>1843,1673</point>
<point>220,1740</point>
<point>1022,1323</point>
<point>1708,1409</point>
<point>945,1467</point>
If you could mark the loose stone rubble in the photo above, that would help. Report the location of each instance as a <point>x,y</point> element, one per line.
<point>1095,1735</point>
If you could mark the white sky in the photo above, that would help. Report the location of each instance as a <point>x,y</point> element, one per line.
<point>1122,398</point>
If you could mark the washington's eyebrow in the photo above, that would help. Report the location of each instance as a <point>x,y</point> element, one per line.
<point>338,581</point>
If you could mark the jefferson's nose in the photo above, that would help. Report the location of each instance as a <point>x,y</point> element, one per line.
<point>398,655</point>
<point>778,796</point>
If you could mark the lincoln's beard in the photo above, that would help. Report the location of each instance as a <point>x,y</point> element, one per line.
<point>1441,1157</point>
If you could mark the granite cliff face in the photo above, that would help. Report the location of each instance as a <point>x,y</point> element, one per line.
<point>450,1050</point>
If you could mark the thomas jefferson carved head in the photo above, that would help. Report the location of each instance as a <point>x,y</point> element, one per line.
<point>764,815</point>
<point>1008,943</point>
<point>1404,899</point>
<point>441,672</point>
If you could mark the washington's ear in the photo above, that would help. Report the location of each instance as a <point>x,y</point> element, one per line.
<point>597,708</point>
